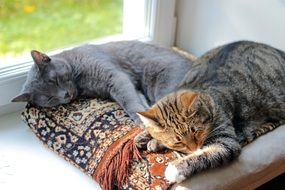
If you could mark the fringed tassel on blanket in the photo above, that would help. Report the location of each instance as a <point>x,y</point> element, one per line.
<point>114,166</point>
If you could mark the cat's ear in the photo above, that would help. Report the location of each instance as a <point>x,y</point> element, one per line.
<point>148,117</point>
<point>197,104</point>
<point>24,97</point>
<point>40,59</point>
<point>188,98</point>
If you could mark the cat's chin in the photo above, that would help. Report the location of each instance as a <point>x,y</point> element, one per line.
<point>172,174</point>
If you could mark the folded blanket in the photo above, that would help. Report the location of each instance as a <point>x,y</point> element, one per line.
<point>97,137</point>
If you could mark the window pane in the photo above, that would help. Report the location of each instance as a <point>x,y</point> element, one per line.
<point>51,24</point>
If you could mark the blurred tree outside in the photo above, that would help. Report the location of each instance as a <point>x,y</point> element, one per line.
<point>51,24</point>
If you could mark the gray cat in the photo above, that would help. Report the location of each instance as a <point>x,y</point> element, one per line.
<point>231,95</point>
<point>133,73</point>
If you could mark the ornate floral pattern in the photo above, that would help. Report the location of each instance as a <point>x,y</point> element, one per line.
<point>82,133</point>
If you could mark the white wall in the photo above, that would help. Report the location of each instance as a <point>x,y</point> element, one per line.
<point>204,24</point>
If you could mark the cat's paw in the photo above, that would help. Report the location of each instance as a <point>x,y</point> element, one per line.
<point>142,139</point>
<point>172,174</point>
<point>154,146</point>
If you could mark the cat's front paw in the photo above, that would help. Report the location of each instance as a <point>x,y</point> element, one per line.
<point>173,174</point>
<point>154,146</point>
<point>142,139</point>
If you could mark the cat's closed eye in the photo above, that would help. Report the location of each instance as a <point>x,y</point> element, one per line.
<point>177,145</point>
<point>178,138</point>
<point>51,81</point>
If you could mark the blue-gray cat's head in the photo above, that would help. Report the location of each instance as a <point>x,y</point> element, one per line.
<point>49,82</point>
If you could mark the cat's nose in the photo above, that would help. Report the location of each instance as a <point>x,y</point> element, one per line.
<point>66,95</point>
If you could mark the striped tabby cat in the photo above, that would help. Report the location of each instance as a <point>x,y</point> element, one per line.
<point>232,95</point>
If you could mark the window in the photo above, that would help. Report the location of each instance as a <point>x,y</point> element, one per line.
<point>73,23</point>
<point>48,25</point>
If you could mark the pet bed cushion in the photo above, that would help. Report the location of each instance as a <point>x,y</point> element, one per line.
<point>97,137</point>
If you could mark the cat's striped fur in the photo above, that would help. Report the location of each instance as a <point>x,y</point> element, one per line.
<point>232,95</point>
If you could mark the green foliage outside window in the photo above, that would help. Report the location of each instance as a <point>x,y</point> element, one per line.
<point>50,24</point>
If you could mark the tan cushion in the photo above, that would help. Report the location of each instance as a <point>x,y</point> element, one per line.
<point>258,163</point>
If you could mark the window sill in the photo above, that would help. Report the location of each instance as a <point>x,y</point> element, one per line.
<point>23,161</point>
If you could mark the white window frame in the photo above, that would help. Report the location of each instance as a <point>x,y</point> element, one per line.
<point>160,25</point>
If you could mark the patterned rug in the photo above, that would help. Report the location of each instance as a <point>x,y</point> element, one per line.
<point>97,137</point>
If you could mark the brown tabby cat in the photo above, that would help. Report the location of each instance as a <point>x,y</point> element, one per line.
<point>232,95</point>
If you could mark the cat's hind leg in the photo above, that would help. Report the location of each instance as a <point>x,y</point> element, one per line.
<point>265,128</point>
<point>256,129</point>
